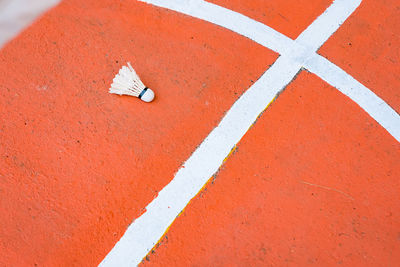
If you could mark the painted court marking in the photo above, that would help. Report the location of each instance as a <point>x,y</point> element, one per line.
<point>146,231</point>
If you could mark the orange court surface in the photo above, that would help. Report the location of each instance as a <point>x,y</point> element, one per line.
<point>273,140</point>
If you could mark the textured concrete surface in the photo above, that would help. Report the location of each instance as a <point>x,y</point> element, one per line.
<point>325,194</point>
<point>315,180</point>
<point>78,164</point>
<point>367,47</point>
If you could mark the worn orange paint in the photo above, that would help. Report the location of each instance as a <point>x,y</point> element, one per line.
<point>78,164</point>
<point>289,17</point>
<point>367,47</point>
<point>313,183</point>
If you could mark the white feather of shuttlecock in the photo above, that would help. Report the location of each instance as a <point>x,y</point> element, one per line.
<point>127,82</point>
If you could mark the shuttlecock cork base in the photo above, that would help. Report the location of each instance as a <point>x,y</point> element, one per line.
<point>127,82</point>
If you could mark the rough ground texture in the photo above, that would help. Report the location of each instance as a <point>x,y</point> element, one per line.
<point>314,181</point>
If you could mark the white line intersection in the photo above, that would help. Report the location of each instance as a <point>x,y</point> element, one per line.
<point>145,231</point>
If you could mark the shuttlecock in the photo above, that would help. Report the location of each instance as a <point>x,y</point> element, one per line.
<point>127,82</point>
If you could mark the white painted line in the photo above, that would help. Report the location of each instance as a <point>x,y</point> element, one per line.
<point>378,109</point>
<point>326,24</point>
<point>301,50</point>
<point>228,19</point>
<point>145,231</point>
<point>15,15</point>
